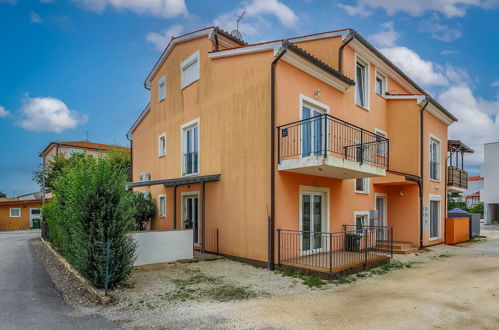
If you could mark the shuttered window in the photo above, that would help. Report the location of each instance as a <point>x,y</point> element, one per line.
<point>190,70</point>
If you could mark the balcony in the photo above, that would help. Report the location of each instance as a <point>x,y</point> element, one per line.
<point>330,147</point>
<point>457,179</point>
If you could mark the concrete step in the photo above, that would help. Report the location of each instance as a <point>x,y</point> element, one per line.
<point>398,247</point>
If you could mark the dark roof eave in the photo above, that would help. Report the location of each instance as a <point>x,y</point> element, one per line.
<point>317,62</point>
<point>176,181</point>
<point>366,44</point>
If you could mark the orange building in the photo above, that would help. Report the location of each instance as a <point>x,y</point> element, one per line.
<point>290,150</point>
<point>19,214</point>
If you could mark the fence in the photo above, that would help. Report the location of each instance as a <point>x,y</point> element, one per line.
<point>457,177</point>
<point>325,134</point>
<point>334,251</point>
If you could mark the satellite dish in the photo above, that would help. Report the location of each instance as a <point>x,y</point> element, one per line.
<point>237,34</point>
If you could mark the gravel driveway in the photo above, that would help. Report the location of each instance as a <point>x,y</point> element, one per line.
<point>449,287</point>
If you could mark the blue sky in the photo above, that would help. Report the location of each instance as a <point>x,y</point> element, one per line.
<point>75,67</point>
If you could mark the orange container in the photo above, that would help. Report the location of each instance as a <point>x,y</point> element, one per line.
<point>457,230</point>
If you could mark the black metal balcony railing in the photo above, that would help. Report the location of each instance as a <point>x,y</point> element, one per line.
<point>457,177</point>
<point>325,135</point>
<point>332,252</point>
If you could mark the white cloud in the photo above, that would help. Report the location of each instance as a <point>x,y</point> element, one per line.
<point>161,39</point>
<point>476,125</point>
<point>34,17</point>
<point>423,72</point>
<point>449,52</point>
<point>495,83</point>
<point>3,112</point>
<point>440,31</point>
<point>47,114</point>
<point>449,8</point>
<point>161,8</point>
<point>386,35</point>
<point>254,21</point>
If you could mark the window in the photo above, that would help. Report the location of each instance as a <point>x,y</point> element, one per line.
<point>380,84</point>
<point>381,143</point>
<point>434,218</point>
<point>15,212</point>
<point>190,70</point>
<point>162,205</point>
<point>434,159</point>
<point>146,194</point>
<point>361,221</point>
<point>362,153</point>
<point>162,88</point>
<point>362,185</point>
<point>190,141</point>
<point>162,145</point>
<point>361,83</point>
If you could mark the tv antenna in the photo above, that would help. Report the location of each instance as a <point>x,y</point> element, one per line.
<point>236,32</point>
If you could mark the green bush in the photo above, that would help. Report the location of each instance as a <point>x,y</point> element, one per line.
<point>145,209</point>
<point>477,208</point>
<point>91,206</point>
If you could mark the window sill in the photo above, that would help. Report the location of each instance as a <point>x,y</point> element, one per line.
<point>361,107</point>
<point>435,180</point>
<point>159,101</point>
<point>182,87</point>
<point>434,238</point>
<point>190,174</point>
<point>162,156</point>
<point>361,192</point>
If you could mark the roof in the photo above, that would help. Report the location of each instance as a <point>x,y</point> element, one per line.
<point>458,146</point>
<point>83,145</point>
<point>475,178</point>
<point>9,201</point>
<point>314,60</point>
<point>477,194</point>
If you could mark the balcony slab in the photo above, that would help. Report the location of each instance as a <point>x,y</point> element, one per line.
<point>331,167</point>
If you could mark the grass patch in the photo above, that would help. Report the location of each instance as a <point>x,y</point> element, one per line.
<point>310,281</point>
<point>228,292</point>
<point>344,280</point>
<point>201,286</point>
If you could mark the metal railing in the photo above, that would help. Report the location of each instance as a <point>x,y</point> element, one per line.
<point>457,177</point>
<point>332,252</point>
<point>326,135</point>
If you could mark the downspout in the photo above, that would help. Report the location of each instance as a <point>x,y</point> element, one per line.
<point>340,51</point>
<point>421,170</point>
<point>131,155</point>
<point>271,238</point>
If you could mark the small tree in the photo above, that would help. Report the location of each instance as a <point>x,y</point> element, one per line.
<point>2,195</point>
<point>457,202</point>
<point>477,208</point>
<point>90,207</point>
<point>145,209</point>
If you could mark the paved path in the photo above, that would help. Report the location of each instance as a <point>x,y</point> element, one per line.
<point>28,298</point>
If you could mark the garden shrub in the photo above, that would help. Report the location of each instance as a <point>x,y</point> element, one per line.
<point>89,207</point>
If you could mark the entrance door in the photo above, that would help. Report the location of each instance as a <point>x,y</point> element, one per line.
<point>312,131</point>
<point>382,221</point>
<point>191,215</point>
<point>34,214</point>
<point>313,223</point>
<point>434,219</point>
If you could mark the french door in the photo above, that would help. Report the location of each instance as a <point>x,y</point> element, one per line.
<point>312,221</point>
<point>191,215</point>
<point>312,131</point>
<point>382,221</point>
<point>434,219</point>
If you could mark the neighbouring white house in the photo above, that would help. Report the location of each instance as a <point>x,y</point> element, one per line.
<point>490,173</point>
<point>472,194</point>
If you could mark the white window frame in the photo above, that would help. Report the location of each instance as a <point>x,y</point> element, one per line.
<point>435,198</point>
<point>366,186</point>
<point>183,128</point>
<point>381,151</point>
<point>358,214</point>
<point>161,151</point>
<point>433,138</point>
<point>14,208</point>
<point>162,89</point>
<point>187,62</point>
<point>384,221</point>
<point>161,197</point>
<point>366,64</point>
<point>384,83</point>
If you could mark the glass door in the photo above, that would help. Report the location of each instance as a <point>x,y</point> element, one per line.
<point>191,216</point>
<point>434,219</point>
<point>312,131</point>
<point>381,208</point>
<point>313,222</point>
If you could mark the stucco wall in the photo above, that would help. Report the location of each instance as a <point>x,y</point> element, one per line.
<point>8,223</point>
<point>162,246</point>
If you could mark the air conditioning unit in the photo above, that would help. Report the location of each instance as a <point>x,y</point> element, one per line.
<point>144,176</point>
